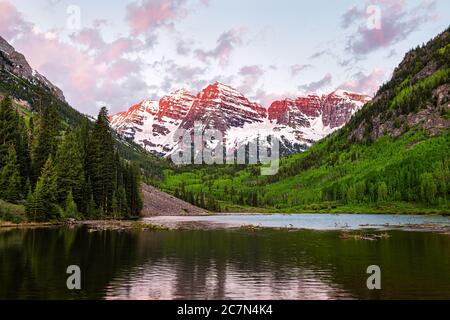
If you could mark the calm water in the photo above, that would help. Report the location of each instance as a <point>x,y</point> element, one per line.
<point>313,221</point>
<point>221,264</point>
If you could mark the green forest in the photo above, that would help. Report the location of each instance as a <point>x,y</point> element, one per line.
<point>406,175</point>
<point>392,157</point>
<point>360,168</point>
<point>50,170</point>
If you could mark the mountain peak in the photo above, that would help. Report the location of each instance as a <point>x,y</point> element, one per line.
<point>180,92</point>
<point>296,122</point>
<point>6,47</point>
<point>218,89</point>
<point>16,63</point>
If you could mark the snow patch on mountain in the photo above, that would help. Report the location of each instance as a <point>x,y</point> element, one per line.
<point>296,123</point>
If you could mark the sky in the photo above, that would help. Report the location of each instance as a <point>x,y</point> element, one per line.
<point>118,53</point>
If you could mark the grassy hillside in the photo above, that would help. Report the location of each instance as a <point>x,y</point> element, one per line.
<point>393,156</point>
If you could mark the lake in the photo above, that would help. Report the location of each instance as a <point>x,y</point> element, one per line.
<point>231,263</point>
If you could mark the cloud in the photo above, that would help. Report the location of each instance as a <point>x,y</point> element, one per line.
<point>88,69</point>
<point>352,14</point>
<point>11,21</point>
<point>183,47</point>
<point>363,83</point>
<point>226,43</point>
<point>250,77</point>
<point>319,54</point>
<point>90,38</point>
<point>397,22</point>
<point>314,86</point>
<point>267,98</point>
<point>298,68</point>
<point>177,76</point>
<point>146,16</point>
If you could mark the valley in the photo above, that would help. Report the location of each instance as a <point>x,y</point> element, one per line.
<point>224,150</point>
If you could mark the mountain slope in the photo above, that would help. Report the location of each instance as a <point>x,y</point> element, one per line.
<point>31,91</point>
<point>296,123</point>
<point>392,156</point>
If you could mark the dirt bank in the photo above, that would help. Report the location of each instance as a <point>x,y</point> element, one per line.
<point>158,203</point>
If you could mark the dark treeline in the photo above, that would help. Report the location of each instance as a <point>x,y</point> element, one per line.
<point>59,172</point>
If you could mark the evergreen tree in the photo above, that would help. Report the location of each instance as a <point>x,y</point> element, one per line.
<point>91,208</point>
<point>121,199</point>
<point>23,154</point>
<point>133,196</point>
<point>45,141</point>
<point>43,205</point>
<point>10,182</point>
<point>70,207</point>
<point>69,169</point>
<point>115,206</point>
<point>100,164</point>
<point>9,128</point>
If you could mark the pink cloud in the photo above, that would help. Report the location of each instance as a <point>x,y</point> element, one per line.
<point>226,43</point>
<point>146,16</point>
<point>85,78</point>
<point>11,21</point>
<point>396,20</point>
<point>363,83</point>
<point>119,47</point>
<point>250,77</point>
<point>97,72</point>
<point>90,38</point>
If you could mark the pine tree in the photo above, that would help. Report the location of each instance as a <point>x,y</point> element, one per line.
<point>86,205</point>
<point>122,203</point>
<point>100,164</point>
<point>134,196</point>
<point>9,128</point>
<point>43,205</point>
<point>23,154</point>
<point>10,181</point>
<point>70,207</point>
<point>69,169</point>
<point>91,208</point>
<point>45,141</point>
<point>115,206</point>
<point>30,209</point>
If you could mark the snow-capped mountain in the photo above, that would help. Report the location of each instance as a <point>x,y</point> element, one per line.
<point>296,123</point>
<point>299,123</point>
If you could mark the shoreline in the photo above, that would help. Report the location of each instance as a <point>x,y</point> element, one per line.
<point>29,224</point>
<point>190,223</point>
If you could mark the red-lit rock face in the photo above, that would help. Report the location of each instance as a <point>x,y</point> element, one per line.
<point>296,112</point>
<point>172,110</point>
<point>221,107</point>
<point>296,122</point>
<point>175,106</point>
<point>335,108</point>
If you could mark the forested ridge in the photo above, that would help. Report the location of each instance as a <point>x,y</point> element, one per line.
<point>393,155</point>
<point>60,171</point>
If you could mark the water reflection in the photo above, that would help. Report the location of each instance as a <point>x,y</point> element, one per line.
<point>220,265</point>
